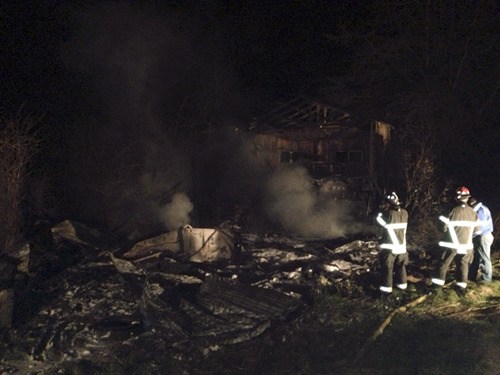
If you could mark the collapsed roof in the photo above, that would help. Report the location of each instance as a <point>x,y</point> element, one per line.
<point>303,113</point>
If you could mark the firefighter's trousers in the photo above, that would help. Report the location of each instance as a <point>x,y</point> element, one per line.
<point>390,263</point>
<point>462,262</point>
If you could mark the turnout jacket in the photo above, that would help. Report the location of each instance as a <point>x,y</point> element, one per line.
<point>460,225</point>
<point>394,221</point>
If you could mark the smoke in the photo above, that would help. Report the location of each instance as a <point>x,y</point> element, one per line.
<point>284,199</point>
<point>292,201</point>
<point>131,60</point>
<point>176,213</point>
<point>144,78</point>
<point>152,150</point>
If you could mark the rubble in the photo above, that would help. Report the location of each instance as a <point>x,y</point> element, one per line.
<point>78,233</point>
<point>195,244</point>
<point>109,298</point>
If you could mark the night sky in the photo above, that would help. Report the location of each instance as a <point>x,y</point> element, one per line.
<point>270,48</point>
<point>121,72</point>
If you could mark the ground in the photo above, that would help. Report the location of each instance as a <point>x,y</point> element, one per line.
<point>444,333</point>
<point>344,328</point>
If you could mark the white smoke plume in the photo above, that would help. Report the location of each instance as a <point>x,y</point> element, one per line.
<point>176,213</point>
<point>147,81</point>
<point>301,209</point>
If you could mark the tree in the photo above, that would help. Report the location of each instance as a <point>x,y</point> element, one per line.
<point>432,68</point>
<point>18,145</point>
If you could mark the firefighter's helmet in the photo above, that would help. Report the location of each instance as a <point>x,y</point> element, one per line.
<point>392,198</point>
<point>462,194</point>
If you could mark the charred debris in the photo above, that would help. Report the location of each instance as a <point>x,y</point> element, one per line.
<point>78,292</point>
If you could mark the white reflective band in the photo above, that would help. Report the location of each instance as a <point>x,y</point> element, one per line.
<point>386,289</point>
<point>396,226</point>
<point>395,249</point>
<point>455,244</point>
<point>402,286</point>
<point>380,220</point>
<point>438,281</point>
<point>462,285</point>
<point>461,248</point>
<point>459,223</point>
<point>395,246</point>
<point>444,219</point>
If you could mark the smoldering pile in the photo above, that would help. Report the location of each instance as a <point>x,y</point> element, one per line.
<point>86,295</point>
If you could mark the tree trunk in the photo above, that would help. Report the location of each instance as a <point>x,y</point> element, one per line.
<point>6,305</point>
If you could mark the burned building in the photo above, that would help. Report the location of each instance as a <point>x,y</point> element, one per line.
<point>332,143</point>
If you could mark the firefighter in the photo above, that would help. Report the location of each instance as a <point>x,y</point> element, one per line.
<point>392,255</point>
<point>459,226</point>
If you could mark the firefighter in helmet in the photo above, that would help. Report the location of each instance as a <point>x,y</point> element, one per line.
<point>459,226</point>
<point>393,256</point>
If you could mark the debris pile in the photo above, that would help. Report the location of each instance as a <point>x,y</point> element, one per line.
<point>87,295</point>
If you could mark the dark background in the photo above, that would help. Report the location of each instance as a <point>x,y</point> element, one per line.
<point>67,63</point>
<point>273,48</point>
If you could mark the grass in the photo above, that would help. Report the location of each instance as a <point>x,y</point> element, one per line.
<point>445,334</point>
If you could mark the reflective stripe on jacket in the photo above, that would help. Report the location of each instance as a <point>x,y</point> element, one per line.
<point>460,225</point>
<point>394,222</point>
